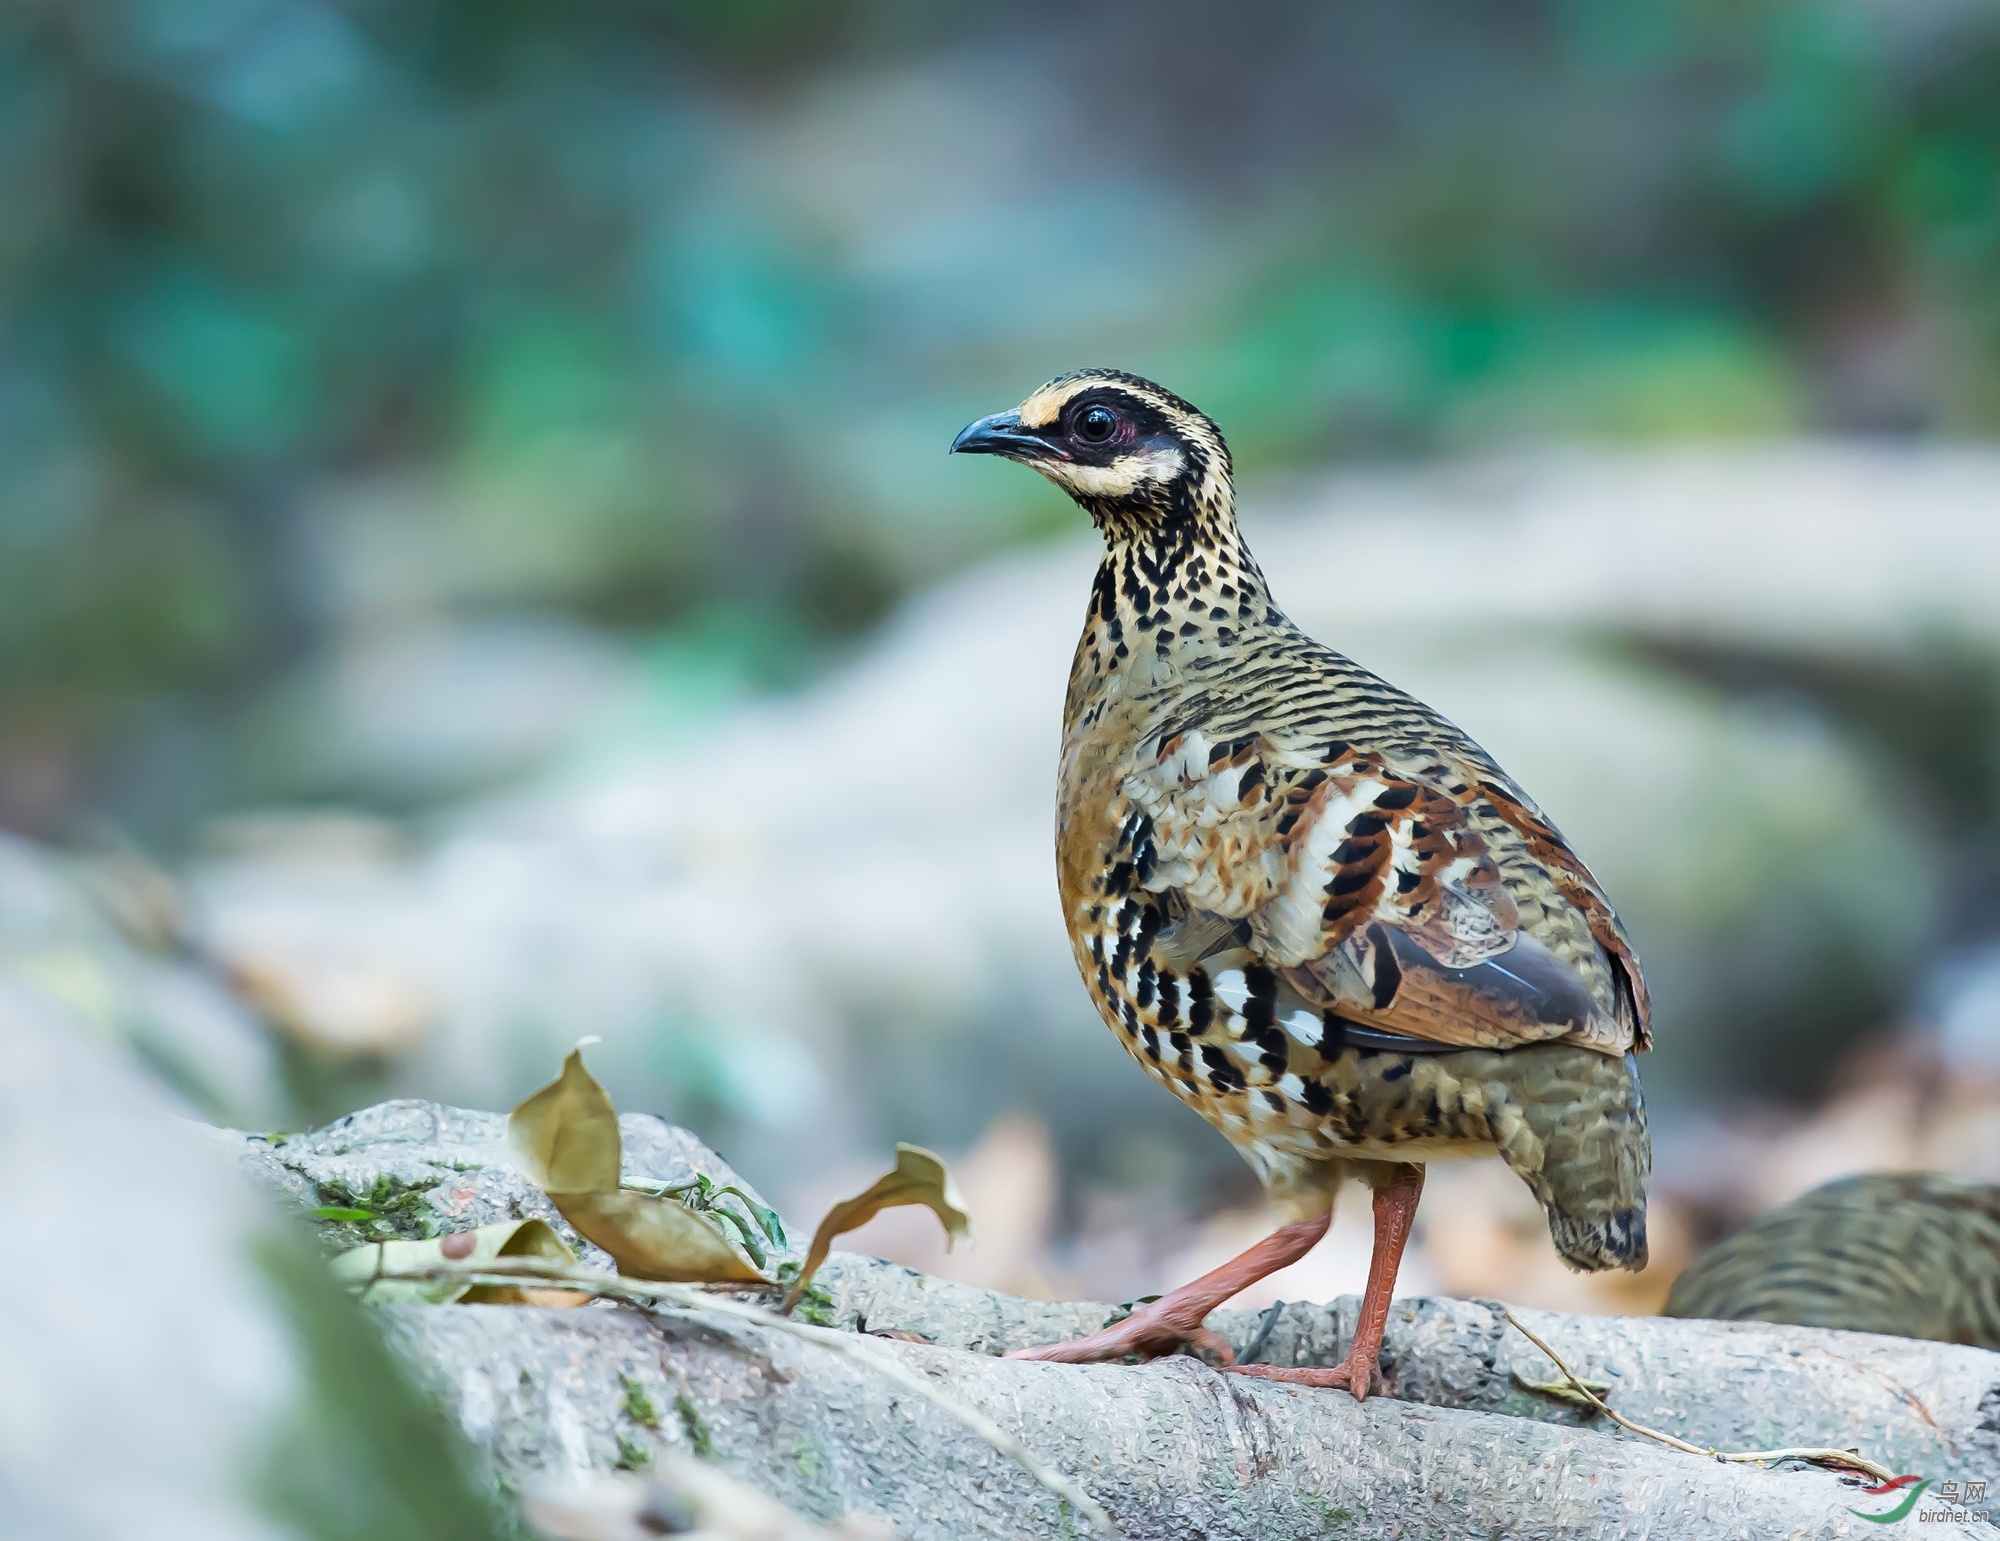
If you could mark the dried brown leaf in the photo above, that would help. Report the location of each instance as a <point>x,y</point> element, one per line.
<point>565,1140</point>
<point>657,1238</point>
<point>919,1178</point>
<point>565,1136</point>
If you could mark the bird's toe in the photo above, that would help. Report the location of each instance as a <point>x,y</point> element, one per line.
<point>1359,1380</point>
<point>1149,1332</point>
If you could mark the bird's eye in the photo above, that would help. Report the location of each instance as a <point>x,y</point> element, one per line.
<point>1095,425</point>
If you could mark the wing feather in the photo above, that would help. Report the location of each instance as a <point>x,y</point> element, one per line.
<point>1373,892</point>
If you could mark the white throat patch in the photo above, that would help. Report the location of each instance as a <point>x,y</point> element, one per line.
<point>1155,468</point>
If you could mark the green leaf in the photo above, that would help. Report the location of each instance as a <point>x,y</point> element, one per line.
<point>340,1212</point>
<point>774,1228</point>
<point>919,1178</point>
<point>746,1233</point>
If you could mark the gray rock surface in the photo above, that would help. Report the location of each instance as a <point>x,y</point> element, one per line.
<point>174,1363</point>
<point>429,1169</point>
<point>1173,1449</point>
<point>1916,1406</point>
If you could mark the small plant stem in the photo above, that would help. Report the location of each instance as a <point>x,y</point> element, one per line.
<point>1818,1455</point>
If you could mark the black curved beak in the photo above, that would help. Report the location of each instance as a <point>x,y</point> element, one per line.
<point>1002,434</point>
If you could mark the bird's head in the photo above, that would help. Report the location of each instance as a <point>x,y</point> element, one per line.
<point>1137,458</point>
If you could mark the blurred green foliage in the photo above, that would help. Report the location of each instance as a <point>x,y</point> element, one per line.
<point>367,1456</point>
<point>659,314</point>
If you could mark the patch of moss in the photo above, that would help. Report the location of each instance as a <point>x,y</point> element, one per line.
<point>816,1306</point>
<point>395,1208</point>
<point>805,1457</point>
<point>632,1456</point>
<point>700,1437</point>
<point>638,1406</point>
<point>1339,1522</point>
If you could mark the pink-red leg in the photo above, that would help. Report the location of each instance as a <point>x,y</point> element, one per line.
<point>1174,1319</point>
<point>1395,1209</point>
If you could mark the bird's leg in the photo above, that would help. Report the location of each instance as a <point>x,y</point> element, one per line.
<point>1395,1209</point>
<point>1174,1319</point>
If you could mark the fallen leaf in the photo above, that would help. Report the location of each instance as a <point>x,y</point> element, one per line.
<point>657,1238</point>
<point>565,1136</point>
<point>565,1140</point>
<point>1563,1390</point>
<point>761,1227</point>
<point>919,1178</point>
<point>505,1238</point>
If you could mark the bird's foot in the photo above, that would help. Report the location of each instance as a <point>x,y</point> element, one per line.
<point>1175,1320</point>
<point>1358,1374</point>
<point>1160,1327</point>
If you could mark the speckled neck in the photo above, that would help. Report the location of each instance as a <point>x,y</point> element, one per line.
<point>1174,600</point>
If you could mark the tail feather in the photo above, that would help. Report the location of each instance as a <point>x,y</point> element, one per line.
<point>1573,1127</point>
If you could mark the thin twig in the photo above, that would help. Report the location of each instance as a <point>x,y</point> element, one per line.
<point>691,1298</point>
<point>1265,1327</point>
<point>1818,1455</point>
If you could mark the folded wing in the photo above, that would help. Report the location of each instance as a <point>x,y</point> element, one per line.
<point>1373,890</point>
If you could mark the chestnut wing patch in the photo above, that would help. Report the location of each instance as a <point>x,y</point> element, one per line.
<point>1368,889</point>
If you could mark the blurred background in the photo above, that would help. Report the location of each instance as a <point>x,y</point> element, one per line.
<point>479,565</point>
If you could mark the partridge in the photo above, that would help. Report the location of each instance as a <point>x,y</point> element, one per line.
<point>1911,1254</point>
<point>1307,904</point>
